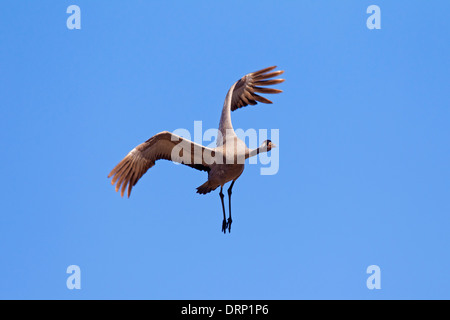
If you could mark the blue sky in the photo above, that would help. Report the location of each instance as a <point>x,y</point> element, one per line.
<point>364,158</point>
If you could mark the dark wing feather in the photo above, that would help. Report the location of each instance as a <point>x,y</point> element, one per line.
<point>245,89</point>
<point>144,156</point>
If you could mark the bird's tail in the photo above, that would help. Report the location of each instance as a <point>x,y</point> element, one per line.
<point>205,188</point>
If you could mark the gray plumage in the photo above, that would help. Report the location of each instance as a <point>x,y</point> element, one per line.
<point>224,163</point>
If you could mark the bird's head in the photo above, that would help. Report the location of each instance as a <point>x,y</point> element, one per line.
<point>267,145</point>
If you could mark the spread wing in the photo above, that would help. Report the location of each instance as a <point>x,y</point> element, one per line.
<point>164,145</point>
<point>246,88</point>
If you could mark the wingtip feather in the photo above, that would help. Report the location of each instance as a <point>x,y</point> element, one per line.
<point>256,73</point>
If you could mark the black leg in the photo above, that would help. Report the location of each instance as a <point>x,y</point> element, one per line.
<point>224,222</point>
<point>229,206</point>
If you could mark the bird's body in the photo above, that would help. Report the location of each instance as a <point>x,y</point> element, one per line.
<point>224,163</point>
<point>219,175</point>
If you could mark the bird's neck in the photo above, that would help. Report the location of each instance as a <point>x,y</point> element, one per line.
<point>254,152</point>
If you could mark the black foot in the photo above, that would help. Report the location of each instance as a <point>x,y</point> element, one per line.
<point>229,224</point>
<point>224,226</point>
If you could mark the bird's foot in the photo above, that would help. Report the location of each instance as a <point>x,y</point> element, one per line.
<point>229,224</point>
<point>224,226</point>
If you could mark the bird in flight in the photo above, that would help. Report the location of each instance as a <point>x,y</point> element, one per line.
<point>224,163</point>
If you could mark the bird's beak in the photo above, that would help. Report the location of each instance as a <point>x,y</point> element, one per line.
<point>274,145</point>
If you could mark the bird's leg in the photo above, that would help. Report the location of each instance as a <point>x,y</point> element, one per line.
<point>229,206</point>
<point>224,222</point>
